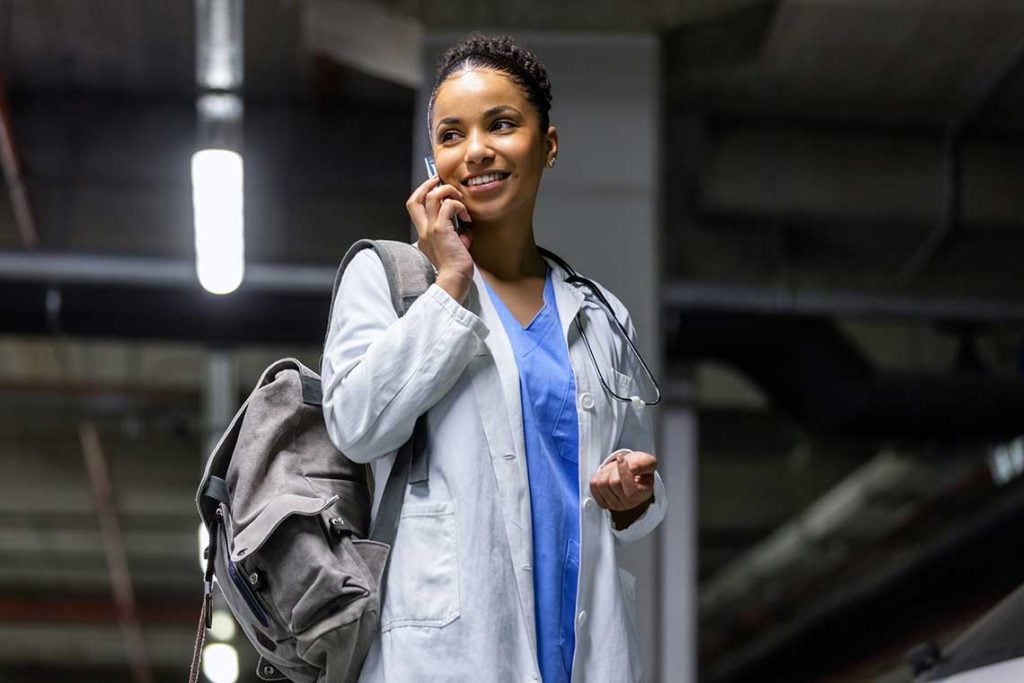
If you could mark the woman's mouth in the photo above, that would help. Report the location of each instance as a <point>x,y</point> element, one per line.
<point>486,182</point>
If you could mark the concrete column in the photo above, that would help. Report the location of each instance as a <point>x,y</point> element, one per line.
<point>678,556</point>
<point>599,206</point>
<point>219,397</point>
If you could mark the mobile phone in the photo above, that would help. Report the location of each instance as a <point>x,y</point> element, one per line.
<point>432,172</point>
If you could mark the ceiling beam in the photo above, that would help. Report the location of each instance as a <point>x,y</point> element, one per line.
<point>365,36</point>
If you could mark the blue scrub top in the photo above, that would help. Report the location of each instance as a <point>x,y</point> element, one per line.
<point>551,433</point>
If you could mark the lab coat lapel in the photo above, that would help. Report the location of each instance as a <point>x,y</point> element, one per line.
<point>504,426</point>
<point>568,298</point>
<point>501,415</point>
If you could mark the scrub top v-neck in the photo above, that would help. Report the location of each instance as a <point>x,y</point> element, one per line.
<point>551,434</point>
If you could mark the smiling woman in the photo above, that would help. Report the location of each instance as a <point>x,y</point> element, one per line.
<point>490,144</point>
<point>505,567</point>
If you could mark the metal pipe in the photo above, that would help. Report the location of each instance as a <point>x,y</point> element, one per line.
<point>129,271</point>
<point>152,272</point>
<point>219,44</point>
<point>949,220</point>
<point>79,609</point>
<point>952,145</point>
<point>24,217</point>
<point>220,401</point>
<point>697,296</point>
<point>113,546</point>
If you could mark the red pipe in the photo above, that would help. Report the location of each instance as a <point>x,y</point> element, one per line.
<point>92,611</point>
<point>23,215</point>
<point>113,546</point>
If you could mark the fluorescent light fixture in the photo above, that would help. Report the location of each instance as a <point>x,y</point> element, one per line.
<point>220,663</point>
<point>219,31</point>
<point>218,206</point>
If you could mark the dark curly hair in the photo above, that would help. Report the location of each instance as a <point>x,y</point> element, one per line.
<point>503,54</point>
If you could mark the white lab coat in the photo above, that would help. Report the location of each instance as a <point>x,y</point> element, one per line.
<point>459,597</point>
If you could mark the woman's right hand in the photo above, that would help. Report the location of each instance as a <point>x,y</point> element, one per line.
<point>433,207</point>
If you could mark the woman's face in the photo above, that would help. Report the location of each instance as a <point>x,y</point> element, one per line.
<point>487,143</point>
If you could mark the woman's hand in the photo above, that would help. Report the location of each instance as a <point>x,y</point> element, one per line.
<point>625,485</point>
<point>433,207</point>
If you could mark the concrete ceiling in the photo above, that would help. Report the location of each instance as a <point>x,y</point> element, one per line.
<point>863,64</point>
<point>803,148</point>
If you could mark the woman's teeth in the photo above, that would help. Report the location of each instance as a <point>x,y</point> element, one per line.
<point>483,179</point>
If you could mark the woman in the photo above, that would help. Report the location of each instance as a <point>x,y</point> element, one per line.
<point>504,567</point>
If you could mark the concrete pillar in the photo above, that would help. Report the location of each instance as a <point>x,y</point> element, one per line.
<point>599,207</point>
<point>678,548</point>
<point>220,400</point>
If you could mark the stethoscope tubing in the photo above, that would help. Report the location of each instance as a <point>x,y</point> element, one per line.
<point>580,281</point>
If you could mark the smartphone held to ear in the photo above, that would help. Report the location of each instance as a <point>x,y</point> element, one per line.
<point>432,172</point>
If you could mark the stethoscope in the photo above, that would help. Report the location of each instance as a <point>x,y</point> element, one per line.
<point>581,282</point>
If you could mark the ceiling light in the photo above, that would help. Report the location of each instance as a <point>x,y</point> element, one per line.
<point>217,202</point>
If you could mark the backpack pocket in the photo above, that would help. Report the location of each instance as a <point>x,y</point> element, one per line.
<point>305,572</point>
<point>309,586</point>
<point>423,580</point>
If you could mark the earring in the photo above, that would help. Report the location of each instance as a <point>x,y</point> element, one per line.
<point>551,162</point>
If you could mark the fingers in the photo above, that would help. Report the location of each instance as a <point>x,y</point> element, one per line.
<point>451,208</point>
<point>607,488</point>
<point>416,206</point>
<point>625,482</point>
<point>437,197</point>
<point>426,202</point>
<point>422,189</point>
<point>602,492</point>
<point>641,463</point>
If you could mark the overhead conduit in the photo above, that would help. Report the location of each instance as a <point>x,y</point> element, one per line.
<point>807,367</point>
<point>814,374</point>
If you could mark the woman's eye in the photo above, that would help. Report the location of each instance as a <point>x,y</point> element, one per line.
<point>447,135</point>
<point>503,124</point>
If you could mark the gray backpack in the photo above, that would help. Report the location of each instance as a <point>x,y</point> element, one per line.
<point>289,515</point>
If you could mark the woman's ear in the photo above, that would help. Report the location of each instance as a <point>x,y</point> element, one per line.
<point>551,144</point>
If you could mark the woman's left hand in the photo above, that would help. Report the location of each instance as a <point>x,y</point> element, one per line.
<point>624,482</point>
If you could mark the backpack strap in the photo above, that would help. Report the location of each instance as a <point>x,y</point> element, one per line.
<point>410,273</point>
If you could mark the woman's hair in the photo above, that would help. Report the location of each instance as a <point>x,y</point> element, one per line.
<point>503,54</point>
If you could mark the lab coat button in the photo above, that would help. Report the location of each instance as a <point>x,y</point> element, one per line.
<point>586,400</point>
<point>581,620</point>
<point>589,504</point>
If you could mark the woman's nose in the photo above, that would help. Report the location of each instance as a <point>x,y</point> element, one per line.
<point>477,148</point>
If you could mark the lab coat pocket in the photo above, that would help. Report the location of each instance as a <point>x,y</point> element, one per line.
<point>423,580</point>
<point>623,384</point>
